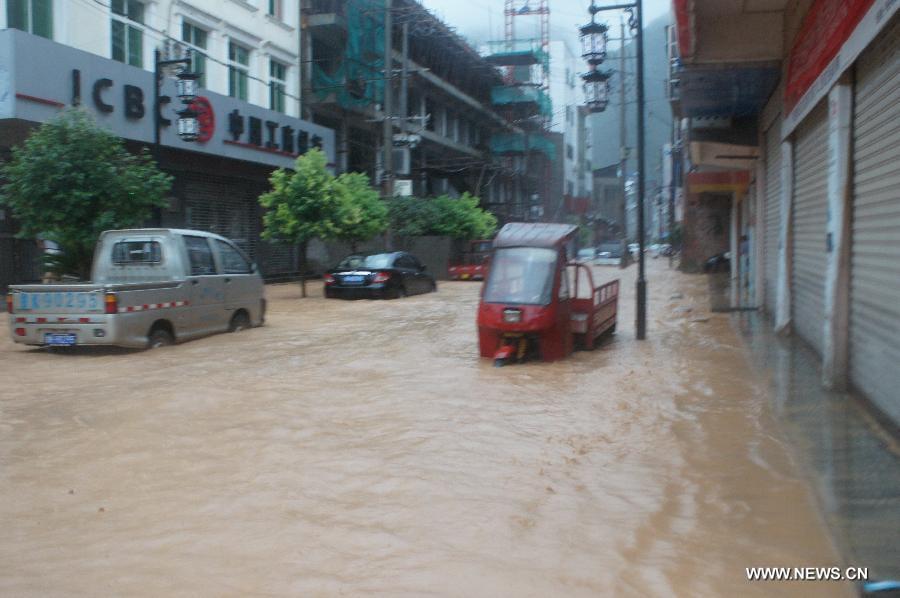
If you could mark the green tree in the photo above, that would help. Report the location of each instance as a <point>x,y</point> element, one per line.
<point>460,218</point>
<point>361,212</point>
<point>303,205</point>
<point>463,218</point>
<point>71,180</point>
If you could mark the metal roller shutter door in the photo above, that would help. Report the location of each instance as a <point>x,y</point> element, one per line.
<point>772,212</point>
<point>810,211</point>
<point>222,206</point>
<point>875,261</point>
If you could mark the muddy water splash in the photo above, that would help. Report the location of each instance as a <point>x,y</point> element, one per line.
<point>362,448</point>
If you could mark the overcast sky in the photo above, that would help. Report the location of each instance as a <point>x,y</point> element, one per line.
<point>478,20</point>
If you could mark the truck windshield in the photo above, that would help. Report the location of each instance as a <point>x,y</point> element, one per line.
<point>521,275</point>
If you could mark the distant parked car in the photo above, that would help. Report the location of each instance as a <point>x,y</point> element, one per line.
<point>586,255</point>
<point>378,276</point>
<point>609,254</point>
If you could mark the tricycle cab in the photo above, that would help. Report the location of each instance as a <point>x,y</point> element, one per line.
<point>535,301</point>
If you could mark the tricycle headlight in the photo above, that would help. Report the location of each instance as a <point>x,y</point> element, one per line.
<point>512,315</point>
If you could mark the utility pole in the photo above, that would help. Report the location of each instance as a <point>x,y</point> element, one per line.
<point>623,147</point>
<point>387,177</point>
<point>404,80</point>
<point>641,287</point>
<point>596,78</point>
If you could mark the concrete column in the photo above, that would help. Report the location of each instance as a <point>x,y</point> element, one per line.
<point>343,146</point>
<point>835,356</point>
<point>734,248</point>
<point>759,238</point>
<point>785,238</point>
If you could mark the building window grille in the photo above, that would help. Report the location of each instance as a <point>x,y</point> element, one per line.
<point>198,39</point>
<point>276,9</point>
<point>128,32</point>
<point>277,85</point>
<point>238,71</point>
<point>33,16</point>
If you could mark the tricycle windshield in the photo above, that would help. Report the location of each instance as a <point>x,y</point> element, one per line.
<point>521,275</point>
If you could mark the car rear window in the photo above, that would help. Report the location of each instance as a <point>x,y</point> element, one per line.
<point>136,252</point>
<point>378,260</point>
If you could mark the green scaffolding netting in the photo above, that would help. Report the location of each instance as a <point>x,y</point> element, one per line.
<point>520,143</point>
<point>517,52</point>
<point>521,94</point>
<point>356,78</point>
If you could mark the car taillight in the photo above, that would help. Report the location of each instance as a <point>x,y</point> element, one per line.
<point>111,303</point>
<point>9,303</point>
<point>381,277</point>
<point>328,278</point>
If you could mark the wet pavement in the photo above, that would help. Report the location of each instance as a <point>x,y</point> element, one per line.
<point>852,456</point>
<point>362,448</point>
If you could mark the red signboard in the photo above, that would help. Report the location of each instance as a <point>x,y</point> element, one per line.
<point>206,117</point>
<point>826,27</point>
<point>683,25</point>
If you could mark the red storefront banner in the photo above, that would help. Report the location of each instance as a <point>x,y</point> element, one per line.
<point>826,26</point>
<point>683,27</point>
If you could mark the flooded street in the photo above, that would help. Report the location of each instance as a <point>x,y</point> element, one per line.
<point>363,448</point>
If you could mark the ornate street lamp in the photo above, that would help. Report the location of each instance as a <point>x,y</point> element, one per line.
<point>188,125</point>
<point>596,89</point>
<point>186,88</point>
<point>593,39</point>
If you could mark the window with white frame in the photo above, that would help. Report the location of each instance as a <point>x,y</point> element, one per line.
<point>198,40</point>
<point>33,16</point>
<point>277,85</point>
<point>238,71</point>
<point>128,31</point>
<point>276,9</point>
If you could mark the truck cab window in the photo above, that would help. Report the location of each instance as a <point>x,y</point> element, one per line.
<point>200,256</point>
<point>233,261</point>
<point>136,252</point>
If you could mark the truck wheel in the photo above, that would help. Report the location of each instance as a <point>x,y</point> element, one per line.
<point>159,337</point>
<point>239,321</point>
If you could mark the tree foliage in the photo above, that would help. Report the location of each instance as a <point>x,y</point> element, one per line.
<point>71,180</point>
<point>361,212</point>
<point>302,204</point>
<point>459,218</point>
<point>311,203</point>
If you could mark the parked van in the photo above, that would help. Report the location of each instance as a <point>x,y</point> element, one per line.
<point>149,288</point>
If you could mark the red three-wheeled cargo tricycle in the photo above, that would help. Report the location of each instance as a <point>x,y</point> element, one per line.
<point>538,304</point>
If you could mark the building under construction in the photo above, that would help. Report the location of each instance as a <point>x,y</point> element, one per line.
<point>456,125</point>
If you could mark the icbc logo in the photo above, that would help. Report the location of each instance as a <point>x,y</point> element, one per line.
<point>205,117</point>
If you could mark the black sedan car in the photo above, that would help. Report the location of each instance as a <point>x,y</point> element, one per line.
<point>379,275</point>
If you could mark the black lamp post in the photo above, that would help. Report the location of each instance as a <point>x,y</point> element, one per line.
<point>596,88</point>
<point>186,87</point>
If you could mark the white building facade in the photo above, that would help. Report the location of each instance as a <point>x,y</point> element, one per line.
<point>570,119</point>
<point>246,49</point>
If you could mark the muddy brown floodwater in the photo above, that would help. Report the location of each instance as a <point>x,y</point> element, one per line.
<point>362,448</point>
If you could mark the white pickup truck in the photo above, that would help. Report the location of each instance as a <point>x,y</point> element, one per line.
<point>149,288</point>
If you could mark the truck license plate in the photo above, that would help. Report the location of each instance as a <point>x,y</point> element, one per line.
<point>59,340</point>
